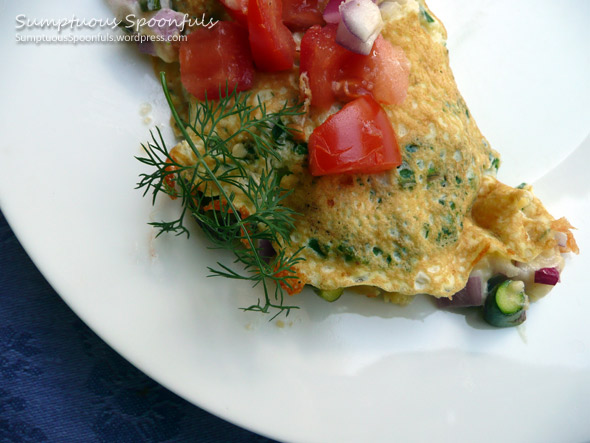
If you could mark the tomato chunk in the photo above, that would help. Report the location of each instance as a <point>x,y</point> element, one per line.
<point>384,73</point>
<point>357,139</point>
<point>211,57</point>
<point>321,58</point>
<point>300,15</point>
<point>237,9</point>
<point>337,74</point>
<point>272,44</point>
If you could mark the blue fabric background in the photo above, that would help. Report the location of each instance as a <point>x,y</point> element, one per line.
<point>59,382</point>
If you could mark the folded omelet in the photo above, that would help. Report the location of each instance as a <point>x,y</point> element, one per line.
<point>424,226</point>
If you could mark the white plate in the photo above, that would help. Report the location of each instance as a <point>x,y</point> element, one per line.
<point>356,370</point>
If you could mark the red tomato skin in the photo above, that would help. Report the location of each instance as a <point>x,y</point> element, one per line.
<point>384,74</point>
<point>211,57</point>
<point>271,42</point>
<point>337,74</point>
<point>358,139</point>
<point>300,15</point>
<point>237,9</point>
<point>320,59</point>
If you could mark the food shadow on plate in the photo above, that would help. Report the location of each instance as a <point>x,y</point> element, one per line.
<point>473,316</point>
<point>421,307</point>
<point>354,303</point>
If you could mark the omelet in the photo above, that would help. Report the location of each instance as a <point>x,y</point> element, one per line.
<point>423,227</point>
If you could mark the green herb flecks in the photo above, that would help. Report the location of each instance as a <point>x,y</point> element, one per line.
<point>425,230</point>
<point>406,178</point>
<point>494,164</point>
<point>150,5</point>
<point>426,17</point>
<point>279,133</point>
<point>431,173</point>
<point>281,136</point>
<point>215,180</point>
<point>447,235</point>
<point>300,148</point>
<point>348,252</point>
<point>318,248</point>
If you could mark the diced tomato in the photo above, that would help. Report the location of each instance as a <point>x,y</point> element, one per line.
<point>321,58</point>
<point>337,74</point>
<point>237,9</point>
<point>300,15</point>
<point>211,57</point>
<point>384,74</point>
<point>272,44</point>
<point>357,139</point>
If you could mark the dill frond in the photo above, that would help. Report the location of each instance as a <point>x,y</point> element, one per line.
<point>208,189</point>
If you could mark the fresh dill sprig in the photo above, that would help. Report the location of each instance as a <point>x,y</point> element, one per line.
<point>209,188</point>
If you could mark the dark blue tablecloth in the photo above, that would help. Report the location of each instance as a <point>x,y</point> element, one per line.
<point>59,382</point>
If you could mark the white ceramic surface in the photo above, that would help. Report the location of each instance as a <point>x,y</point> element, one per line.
<point>355,370</point>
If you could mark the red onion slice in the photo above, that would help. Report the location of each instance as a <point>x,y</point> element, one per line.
<point>359,23</point>
<point>470,295</point>
<point>147,47</point>
<point>561,238</point>
<point>332,11</point>
<point>167,23</point>
<point>547,276</point>
<point>359,26</point>
<point>349,41</point>
<point>362,18</point>
<point>265,250</point>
